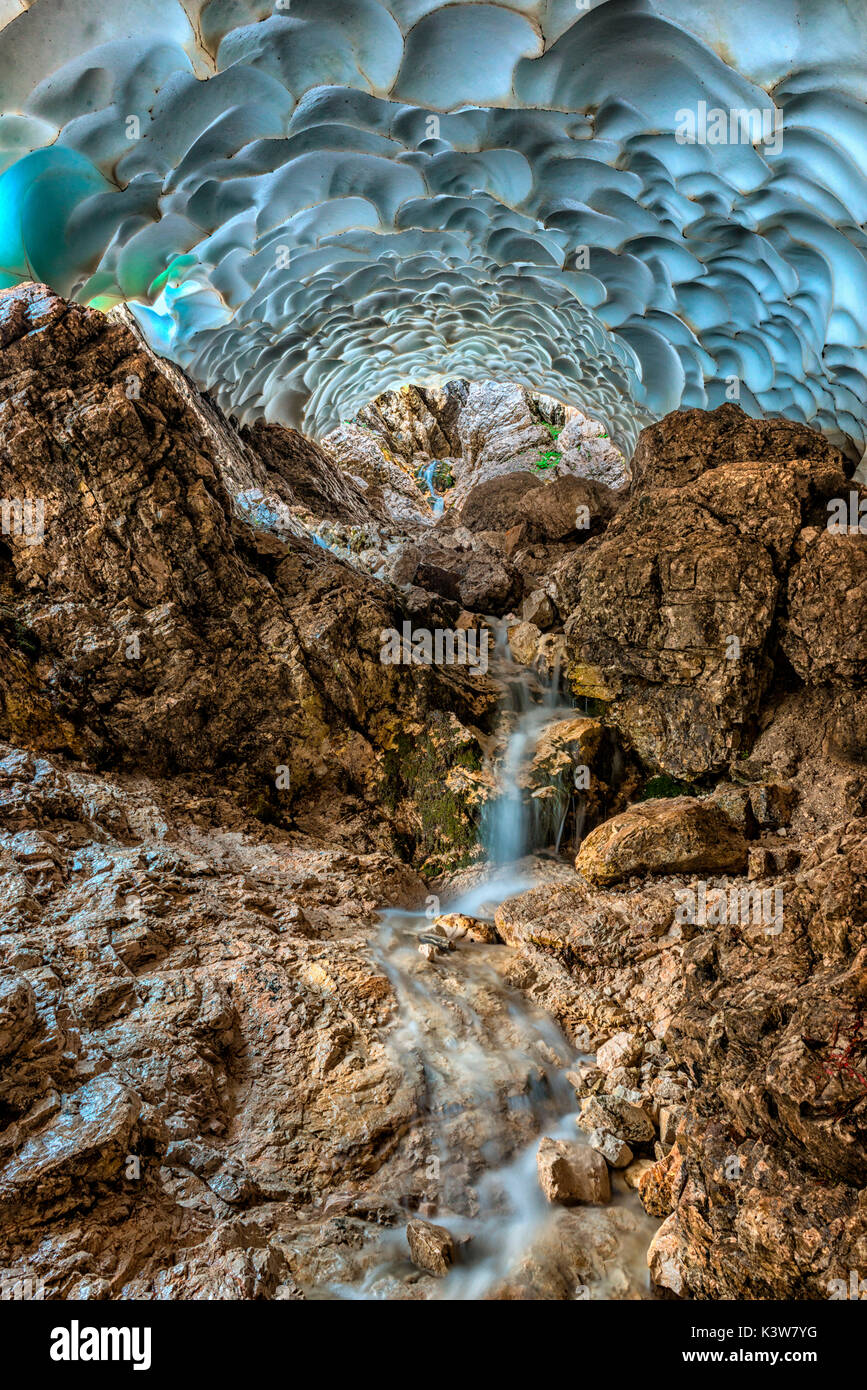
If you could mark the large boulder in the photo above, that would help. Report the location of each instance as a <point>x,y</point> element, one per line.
<point>679,448</point>
<point>672,611</point>
<point>149,624</point>
<point>824,633</point>
<point>572,1173</point>
<point>670,835</point>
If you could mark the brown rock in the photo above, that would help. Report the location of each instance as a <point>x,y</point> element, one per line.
<point>572,1173</point>
<point>670,835</point>
<point>431,1248</point>
<point>679,448</point>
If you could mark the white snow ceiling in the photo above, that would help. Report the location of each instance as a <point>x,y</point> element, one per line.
<point>310,201</point>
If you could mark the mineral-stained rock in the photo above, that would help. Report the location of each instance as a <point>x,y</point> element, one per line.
<point>669,835</point>
<point>431,1248</point>
<point>572,1173</point>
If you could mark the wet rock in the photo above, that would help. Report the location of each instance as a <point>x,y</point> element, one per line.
<point>572,1173</point>
<point>524,643</point>
<point>431,1248</point>
<point>669,835</point>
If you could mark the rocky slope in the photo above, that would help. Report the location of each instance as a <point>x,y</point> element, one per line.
<point>211,1080</point>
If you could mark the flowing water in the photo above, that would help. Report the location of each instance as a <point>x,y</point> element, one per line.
<point>493,1081</point>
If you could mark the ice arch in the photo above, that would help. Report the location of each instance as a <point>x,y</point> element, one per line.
<point>309,201</point>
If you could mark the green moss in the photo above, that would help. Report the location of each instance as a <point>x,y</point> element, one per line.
<point>444,820</point>
<point>664,785</point>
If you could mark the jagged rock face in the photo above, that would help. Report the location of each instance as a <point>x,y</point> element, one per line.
<point>479,431</point>
<point>673,613</point>
<point>152,624</point>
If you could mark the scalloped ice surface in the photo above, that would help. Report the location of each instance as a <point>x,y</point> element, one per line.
<point>308,202</point>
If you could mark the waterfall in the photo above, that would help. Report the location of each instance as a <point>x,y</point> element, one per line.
<point>491,1072</point>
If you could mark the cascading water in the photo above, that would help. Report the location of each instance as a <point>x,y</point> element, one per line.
<point>492,1079</point>
<point>426,475</point>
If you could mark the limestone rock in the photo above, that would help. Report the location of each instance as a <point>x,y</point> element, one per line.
<point>623,1050</point>
<point>572,1173</point>
<point>669,835</point>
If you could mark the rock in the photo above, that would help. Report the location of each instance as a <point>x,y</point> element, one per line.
<point>17,1012</point>
<point>568,507</point>
<point>428,950</point>
<point>635,1171</point>
<point>538,610</point>
<point>623,1050</point>
<point>572,1173</point>
<point>679,448</point>
<point>478,579</point>
<point>616,1116</point>
<point>360,455</point>
<point>585,1078</point>
<point>670,1117</point>
<point>524,643</point>
<point>669,835</point>
<point>175,634</point>
<point>495,505</point>
<point>615,1151</point>
<point>830,576</point>
<point>660,1184</point>
<point>454,925</point>
<point>588,452</point>
<point>431,1248</point>
<point>772,803</point>
<point>765,861</point>
<point>671,612</point>
<point>664,1259</point>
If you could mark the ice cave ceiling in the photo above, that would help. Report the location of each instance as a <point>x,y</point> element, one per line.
<point>309,201</point>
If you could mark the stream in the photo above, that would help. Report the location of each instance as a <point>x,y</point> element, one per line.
<point>492,1070</point>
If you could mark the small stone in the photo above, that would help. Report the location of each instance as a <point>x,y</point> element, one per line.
<point>623,1050</point>
<point>621,1078</point>
<point>634,1172</point>
<point>613,1150</point>
<point>538,609</point>
<point>669,1119</point>
<point>585,1078</point>
<point>428,951</point>
<point>572,1173</point>
<point>431,1248</point>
